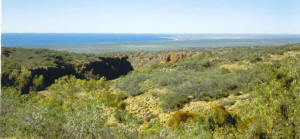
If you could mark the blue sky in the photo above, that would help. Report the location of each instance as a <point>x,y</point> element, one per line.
<point>151,16</point>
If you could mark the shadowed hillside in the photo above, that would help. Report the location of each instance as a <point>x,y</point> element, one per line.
<point>110,68</point>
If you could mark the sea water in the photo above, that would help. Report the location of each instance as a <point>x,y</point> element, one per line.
<point>102,43</point>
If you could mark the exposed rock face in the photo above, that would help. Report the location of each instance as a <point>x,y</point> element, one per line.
<point>174,57</point>
<point>165,59</point>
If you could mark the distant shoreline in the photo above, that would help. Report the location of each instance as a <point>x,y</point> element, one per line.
<point>103,43</point>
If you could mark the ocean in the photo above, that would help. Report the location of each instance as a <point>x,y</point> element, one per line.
<point>48,39</point>
<point>102,43</point>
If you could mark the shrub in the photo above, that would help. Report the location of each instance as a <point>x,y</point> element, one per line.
<point>173,101</point>
<point>84,118</point>
<point>274,111</point>
<point>112,99</point>
<point>196,64</point>
<point>257,59</point>
<point>127,118</point>
<point>220,117</point>
<point>38,82</point>
<point>29,119</point>
<point>23,79</point>
<point>184,117</point>
<point>69,85</point>
<point>63,113</point>
<point>132,84</point>
<point>9,102</point>
<point>200,86</point>
<point>75,108</point>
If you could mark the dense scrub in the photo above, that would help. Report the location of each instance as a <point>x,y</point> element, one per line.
<point>274,111</point>
<point>78,108</point>
<point>71,108</point>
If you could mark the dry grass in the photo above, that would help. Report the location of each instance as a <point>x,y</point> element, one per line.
<point>284,55</point>
<point>234,66</point>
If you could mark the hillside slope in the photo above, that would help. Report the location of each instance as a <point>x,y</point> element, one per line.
<point>238,92</point>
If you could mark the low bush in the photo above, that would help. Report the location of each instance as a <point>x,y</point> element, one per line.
<point>73,109</point>
<point>199,86</point>
<point>38,82</point>
<point>184,117</point>
<point>125,117</point>
<point>219,117</point>
<point>173,101</point>
<point>83,118</point>
<point>132,84</point>
<point>274,110</point>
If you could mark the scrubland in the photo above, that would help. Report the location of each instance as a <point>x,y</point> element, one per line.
<point>235,92</point>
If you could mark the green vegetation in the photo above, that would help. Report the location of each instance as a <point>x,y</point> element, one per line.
<point>247,92</point>
<point>131,84</point>
<point>71,108</point>
<point>275,107</point>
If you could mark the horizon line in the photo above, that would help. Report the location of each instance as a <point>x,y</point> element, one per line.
<point>140,33</point>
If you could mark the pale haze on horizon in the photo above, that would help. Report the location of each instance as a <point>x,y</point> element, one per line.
<point>152,16</point>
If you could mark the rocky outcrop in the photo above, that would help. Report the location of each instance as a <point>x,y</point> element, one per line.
<point>174,57</point>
